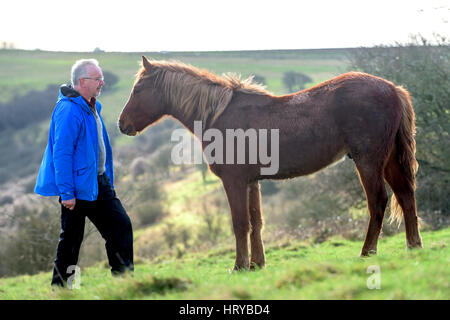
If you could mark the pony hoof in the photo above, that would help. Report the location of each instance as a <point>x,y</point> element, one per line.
<point>368,253</point>
<point>256,266</point>
<point>240,268</point>
<point>414,247</point>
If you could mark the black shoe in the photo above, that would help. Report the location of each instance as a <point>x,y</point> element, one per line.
<point>57,284</point>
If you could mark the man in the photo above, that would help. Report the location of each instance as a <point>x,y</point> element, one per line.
<point>77,166</point>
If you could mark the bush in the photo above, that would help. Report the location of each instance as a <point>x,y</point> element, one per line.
<point>259,79</point>
<point>148,205</point>
<point>170,234</point>
<point>30,245</point>
<point>295,81</point>
<point>214,214</point>
<point>149,212</point>
<point>29,108</point>
<point>138,167</point>
<point>268,187</point>
<point>111,80</point>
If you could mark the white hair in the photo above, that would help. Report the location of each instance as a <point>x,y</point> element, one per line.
<point>79,69</point>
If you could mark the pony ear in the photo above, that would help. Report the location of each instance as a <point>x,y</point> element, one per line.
<point>146,63</point>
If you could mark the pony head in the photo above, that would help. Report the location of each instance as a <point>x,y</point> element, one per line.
<point>145,105</point>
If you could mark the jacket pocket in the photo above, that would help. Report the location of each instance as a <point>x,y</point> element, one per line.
<point>82,171</point>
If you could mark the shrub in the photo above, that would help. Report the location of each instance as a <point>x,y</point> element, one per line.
<point>148,204</point>
<point>31,242</point>
<point>149,212</point>
<point>295,81</point>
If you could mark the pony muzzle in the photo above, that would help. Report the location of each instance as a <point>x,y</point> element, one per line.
<point>128,130</point>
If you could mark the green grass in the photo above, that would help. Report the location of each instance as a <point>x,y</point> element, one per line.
<point>295,270</point>
<point>181,191</point>
<point>184,204</point>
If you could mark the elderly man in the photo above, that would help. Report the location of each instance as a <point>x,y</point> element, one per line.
<point>77,166</point>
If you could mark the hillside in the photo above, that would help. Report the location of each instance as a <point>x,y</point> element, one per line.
<point>37,72</point>
<point>295,270</point>
<point>180,214</point>
<point>28,91</point>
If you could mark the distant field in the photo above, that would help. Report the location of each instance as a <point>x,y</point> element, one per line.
<point>295,270</point>
<point>22,71</point>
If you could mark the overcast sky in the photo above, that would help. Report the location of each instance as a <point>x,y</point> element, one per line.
<point>201,25</point>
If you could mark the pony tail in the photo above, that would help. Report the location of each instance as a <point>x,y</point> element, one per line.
<point>406,150</point>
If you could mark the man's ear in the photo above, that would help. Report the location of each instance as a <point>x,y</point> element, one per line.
<point>145,63</point>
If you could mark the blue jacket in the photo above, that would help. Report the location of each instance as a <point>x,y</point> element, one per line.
<point>70,165</point>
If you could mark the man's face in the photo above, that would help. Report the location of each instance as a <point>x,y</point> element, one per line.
<point>93,82</point>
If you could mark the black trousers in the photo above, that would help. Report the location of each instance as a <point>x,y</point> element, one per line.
<point>111,220</point>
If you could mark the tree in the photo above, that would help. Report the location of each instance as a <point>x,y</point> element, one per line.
<point>295,81</point>
<point>110,81</point>
<point>259,79</point>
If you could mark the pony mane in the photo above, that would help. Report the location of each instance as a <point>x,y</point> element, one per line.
<point>198,92</point>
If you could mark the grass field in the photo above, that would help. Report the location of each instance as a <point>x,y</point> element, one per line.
<point>295,270</point>
<point>22,71</point>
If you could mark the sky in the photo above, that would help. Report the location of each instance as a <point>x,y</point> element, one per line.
<point>201,25</point>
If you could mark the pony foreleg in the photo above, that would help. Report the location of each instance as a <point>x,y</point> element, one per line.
<point>237,199</point>
<point>254,207</point>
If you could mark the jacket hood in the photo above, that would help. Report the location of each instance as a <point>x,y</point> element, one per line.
<point>66,91</point>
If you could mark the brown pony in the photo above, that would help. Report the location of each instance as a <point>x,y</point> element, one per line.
<point>356,114</point>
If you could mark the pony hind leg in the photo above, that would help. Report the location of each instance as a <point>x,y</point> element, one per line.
<point>371,178</point>
<point>405,198</point>
<point>237,199</point>
<point>254,205</point>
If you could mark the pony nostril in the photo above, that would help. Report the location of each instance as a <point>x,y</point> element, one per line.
<point>127,130</point>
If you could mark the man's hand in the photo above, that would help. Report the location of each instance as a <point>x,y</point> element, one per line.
<point>69,204</point>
